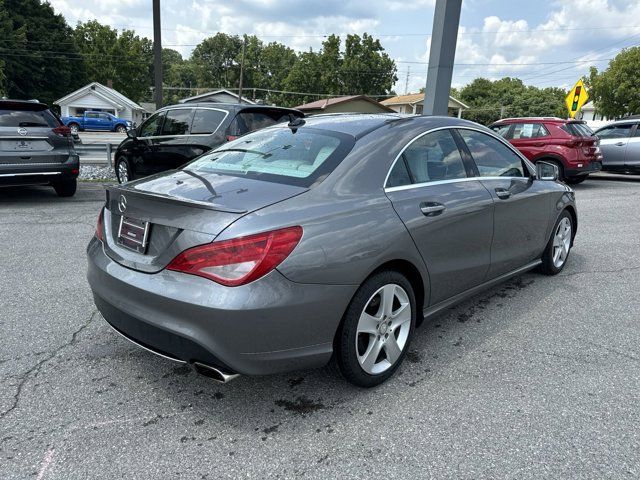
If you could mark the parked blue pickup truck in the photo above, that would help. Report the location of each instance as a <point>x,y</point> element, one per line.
<point>100,121</point>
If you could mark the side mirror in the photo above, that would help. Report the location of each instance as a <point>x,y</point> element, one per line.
<point>547,171</point>
<point>132,133</point>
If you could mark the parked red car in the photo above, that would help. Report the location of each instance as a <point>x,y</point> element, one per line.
<point>569,144</point>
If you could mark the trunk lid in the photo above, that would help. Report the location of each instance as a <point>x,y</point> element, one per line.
<point>183,209</point>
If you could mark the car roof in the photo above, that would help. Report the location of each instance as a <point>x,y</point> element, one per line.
<point>229,106</point>
<point>34,105</point>
<point>624,121</point>
<point>360,124</point>
<point>535,119</point>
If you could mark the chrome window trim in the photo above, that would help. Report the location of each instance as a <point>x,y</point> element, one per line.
<point>168,109</point>
<point>453,180</point>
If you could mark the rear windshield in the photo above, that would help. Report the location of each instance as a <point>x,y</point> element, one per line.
<point>279,155</point>
<point>248,121</point>
<point>578,129</point>
<point>28,118</point>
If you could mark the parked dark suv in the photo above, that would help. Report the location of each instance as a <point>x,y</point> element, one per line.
<point>177,134</point>
<point>36,148</point>
<point>569,144</point>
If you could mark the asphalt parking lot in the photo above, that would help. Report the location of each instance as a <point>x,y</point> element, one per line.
<point>537,378</point>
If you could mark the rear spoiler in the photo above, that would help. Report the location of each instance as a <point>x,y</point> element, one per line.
<point>28,105</point>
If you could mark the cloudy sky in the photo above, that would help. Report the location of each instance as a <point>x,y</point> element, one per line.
<point>544,42</point>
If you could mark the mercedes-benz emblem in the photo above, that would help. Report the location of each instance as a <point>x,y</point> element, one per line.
<point>122,203</point>
<point>22,131</point>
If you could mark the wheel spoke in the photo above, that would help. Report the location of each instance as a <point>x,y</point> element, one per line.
<point>401,316</point>
<point>392,349</point>
<point>368,324</point>
<point>368,360</point>
<point>388,294</point>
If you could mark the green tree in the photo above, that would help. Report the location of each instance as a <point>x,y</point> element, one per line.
<point>366,68</point>
<point>488,100</point>
<point>39,55</point>
<point>216,61</point>
<point>124,59</point>
<point>615,91</point>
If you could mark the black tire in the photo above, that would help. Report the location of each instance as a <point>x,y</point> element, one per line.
<point>348,341</point>
<point>123,163</point>
<point>576,180</point>
<point>66,188</point>
<point>121,129</point>
<point>548,267</point>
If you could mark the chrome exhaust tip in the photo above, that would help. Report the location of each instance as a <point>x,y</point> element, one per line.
<point>214,373</point>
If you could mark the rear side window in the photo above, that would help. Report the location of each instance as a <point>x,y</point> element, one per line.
<point>615,131</point>
<point>529,130</point>
<point>206,121</point>
<point>278,155</point>
<point>177,122</point>
<point>432,157</point>
<point>492,157</point>
<point>246,122</point>
<point>28,118</point>
<point>582,129</point>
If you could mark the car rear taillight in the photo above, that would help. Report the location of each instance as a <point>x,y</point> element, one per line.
<point>231,137</point>
<point>100,226</point>
<point>240,260</point>
<point>62,130</point>
<point>573,143</point>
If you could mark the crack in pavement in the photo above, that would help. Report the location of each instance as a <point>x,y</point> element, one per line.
<point>36,368</point>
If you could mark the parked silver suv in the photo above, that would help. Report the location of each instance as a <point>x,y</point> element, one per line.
<point>620,146</point>
<point>36,148</point>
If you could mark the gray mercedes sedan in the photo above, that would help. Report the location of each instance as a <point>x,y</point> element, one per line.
<point>328,239</point>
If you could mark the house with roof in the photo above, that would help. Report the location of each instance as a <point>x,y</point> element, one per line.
<point>100,98</point>
<point>413,104</point>
<point>346,104</point>
<point>221,95</point>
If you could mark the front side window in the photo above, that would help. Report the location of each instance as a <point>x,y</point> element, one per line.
<point>615,131</point>
<point>177,122</point>
<point>492,157</point>
<point>150,127</point>
<point>279,155</point>
<point>526,131</point>
<point>92,115</point>
<point>501,130</point>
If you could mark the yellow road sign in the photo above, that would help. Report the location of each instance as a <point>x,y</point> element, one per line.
<point>577,97</point>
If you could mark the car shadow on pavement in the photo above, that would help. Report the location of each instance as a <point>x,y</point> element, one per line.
<point>262,405</point>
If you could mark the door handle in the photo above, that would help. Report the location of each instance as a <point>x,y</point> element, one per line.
<point>620,144</point>
<point>503,193</point>
<point>431,209</point>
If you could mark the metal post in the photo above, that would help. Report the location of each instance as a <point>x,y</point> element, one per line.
<point>109,159</point>
<point>444,35</point>
<point>244,48</point>
<point>157,53</point>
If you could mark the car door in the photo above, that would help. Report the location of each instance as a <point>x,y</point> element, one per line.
<point>529,138</point>
<point>104,122</point>
<point>613,144</point>
<point>521,212</point>
<point>91,121</point>
<point>172,143</point>
<point>448,214</point>
<point>144,153</point>
<point>632,155</point>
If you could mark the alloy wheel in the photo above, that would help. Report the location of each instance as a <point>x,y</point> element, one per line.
<point>561,242</point>
<point>123,172</point>
<point>383,329</point>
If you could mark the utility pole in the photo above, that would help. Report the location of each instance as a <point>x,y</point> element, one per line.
<point>244,48</point>
<point>406,82</point>
<point>503,109</point>
<point>444,35</point>
<point>157,53</point>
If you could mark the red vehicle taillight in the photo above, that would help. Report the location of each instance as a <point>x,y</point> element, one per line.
<point>231,137</point>
<point>240,260</point>
<point>100,226</point>
<point>62,130</point>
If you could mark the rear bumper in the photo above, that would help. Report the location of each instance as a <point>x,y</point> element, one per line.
<point>39,173</point>
<point>271,325</point>
<point>589,166</point>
